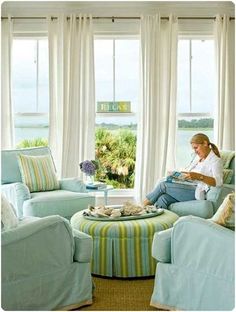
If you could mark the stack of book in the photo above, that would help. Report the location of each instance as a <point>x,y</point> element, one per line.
<point>96,186</point>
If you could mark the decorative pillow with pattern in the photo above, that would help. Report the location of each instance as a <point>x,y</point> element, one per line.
<point>225,215</point>
<point>227,175</point>
<point>227,157</point>
<point>8,217</point>
<point>38,172</point>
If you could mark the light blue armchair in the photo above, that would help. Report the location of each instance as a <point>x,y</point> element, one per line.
<point>69,199</point>
<point>45,276</point>
<point>196,266</point>
<point>214,197</point>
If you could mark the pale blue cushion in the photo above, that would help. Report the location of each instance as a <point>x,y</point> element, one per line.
<point>200,208</point>
<point>64,203</point>
<point>72,184</point>
<point>200,276</point>
<point>83,246</point>
<point>161,245</point>
<point>39,272</point>
<point>10,168</point>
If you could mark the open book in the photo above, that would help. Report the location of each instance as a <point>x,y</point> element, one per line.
<point>180,177</point>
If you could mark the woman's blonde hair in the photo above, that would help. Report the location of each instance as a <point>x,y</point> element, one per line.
<point>200,138</point>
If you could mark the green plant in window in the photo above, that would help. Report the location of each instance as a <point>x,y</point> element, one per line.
<point>32,143</point>
<point>116,151</point>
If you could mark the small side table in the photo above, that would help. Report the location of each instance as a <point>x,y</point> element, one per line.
<point>104,190</point>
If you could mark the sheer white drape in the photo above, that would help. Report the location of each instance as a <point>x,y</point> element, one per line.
<point>225,60</point>
<point>7,123</point>
<point>157,120</point>
<point>72,91</point>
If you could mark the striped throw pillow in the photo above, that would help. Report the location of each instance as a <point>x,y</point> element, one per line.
<point>38,172</point>
<point>227,175</point>
<point>225,215</point>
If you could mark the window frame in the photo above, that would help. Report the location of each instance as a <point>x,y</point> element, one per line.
<point>115,37</point>
<point>128,192</point>
<point>37,37</point>
<point>191,114</point>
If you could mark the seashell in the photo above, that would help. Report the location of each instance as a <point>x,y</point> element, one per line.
<point>91,207</point>
<point>115,213</point>
<point>101,214</point>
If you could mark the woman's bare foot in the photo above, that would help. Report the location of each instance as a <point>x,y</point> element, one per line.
<point>146,202</point>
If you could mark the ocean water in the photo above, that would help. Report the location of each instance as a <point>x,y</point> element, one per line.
<point>30,133</point>
<point>183,147</point>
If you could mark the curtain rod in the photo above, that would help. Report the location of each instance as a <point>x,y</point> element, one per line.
<point>118,17</point>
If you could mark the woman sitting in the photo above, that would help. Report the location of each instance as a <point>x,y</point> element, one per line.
<point>206,170</point>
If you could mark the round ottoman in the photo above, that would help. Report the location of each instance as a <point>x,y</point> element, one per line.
<point>123,248</point>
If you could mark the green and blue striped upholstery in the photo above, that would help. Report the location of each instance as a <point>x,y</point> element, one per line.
<point>123,248</point>
<point>38,172</point>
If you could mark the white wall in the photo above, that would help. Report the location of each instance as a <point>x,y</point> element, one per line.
<point>114,8</point>
<point>123,8</point>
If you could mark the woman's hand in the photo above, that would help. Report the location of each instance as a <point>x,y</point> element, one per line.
<point>191,175</point>
<point>200,177</point>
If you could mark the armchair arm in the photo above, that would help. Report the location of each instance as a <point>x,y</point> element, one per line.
<point>73,185</point>
<point>83,246</point>
<point>200,208</point>
<point>217,194</point>
<point>161,246</point>
<point>202,245</point>
<point>203,208</point>
<point>16,193</point>
<point>36,247</point>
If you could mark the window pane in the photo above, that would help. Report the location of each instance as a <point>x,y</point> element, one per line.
<point>43,76</point>
<point>24,75</point>
<point>195,57</point>
<point>203,76</point>
<point>183,94</point>
<point>30,88</point>
<point>116,132</point>
<point>127,67</point>
<point>103,50</point>
<point>30,128</point>
<point>187,127</point>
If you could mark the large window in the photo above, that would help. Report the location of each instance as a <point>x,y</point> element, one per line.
<point>30,88</point>
<point>196,93</point>
<point>117,103</point>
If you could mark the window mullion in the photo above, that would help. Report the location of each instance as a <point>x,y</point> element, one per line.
<point>114,70</point>
<point>190,75</point>
<point>37,75</point>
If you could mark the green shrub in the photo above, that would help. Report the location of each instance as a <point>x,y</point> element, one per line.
<point>33,143</point>
<point>116,152</point>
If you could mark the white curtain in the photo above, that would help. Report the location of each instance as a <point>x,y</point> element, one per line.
<point>225,60</point>
<point>72,92</point>
<point>157,120</point>
<point>7,123</point>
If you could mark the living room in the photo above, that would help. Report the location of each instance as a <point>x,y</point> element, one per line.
<point>105,98</point>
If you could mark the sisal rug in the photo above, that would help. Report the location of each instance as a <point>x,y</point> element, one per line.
<point>121,294</point>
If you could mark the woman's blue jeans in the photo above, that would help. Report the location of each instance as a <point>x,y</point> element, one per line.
<point>166,193</point>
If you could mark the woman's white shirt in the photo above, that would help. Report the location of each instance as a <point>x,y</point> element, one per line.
<point>211,166</point>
